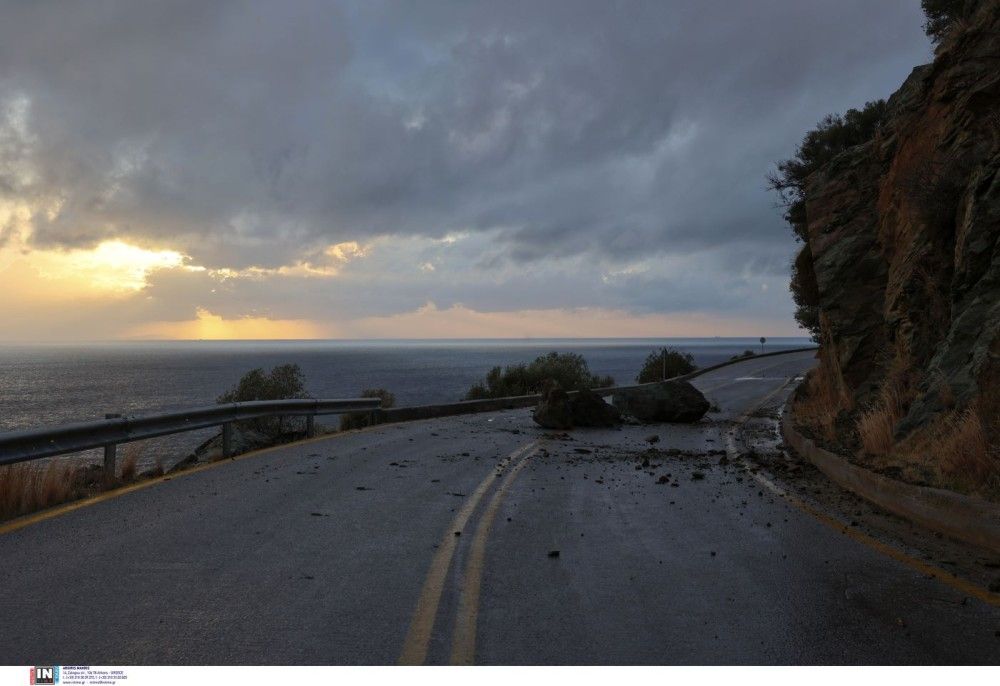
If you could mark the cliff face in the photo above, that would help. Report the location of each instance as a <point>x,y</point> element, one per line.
<point>904,233</point>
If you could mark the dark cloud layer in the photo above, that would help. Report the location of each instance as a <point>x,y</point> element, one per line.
<point>253,134</point>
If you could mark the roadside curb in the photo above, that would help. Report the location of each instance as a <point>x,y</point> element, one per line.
<point>957,516</point>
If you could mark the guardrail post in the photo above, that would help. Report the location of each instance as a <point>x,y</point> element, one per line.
<point>110,455</point>
<point>310,425</point>
<point>227,439</point>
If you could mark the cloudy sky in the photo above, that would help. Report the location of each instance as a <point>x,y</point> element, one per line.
<point>194,169</point>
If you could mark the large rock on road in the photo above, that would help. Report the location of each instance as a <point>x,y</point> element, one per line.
<point>668,401</point>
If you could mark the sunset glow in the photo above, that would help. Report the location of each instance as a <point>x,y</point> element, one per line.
<point>112,266</point>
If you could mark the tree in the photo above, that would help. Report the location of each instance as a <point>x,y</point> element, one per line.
<point>942,15</point>
<point>666,363</point>
<point>569,370</point>
<point>283,382</point>
<point>832,136</point>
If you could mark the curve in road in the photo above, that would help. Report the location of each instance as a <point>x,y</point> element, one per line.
<point>595,546</point>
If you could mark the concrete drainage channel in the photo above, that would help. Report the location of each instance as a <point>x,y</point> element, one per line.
<point>960,517</point>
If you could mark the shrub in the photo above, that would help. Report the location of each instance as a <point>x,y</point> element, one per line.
<point>832,136</point>
<point>942,15</point>
<point>805,292</point>
<point>666,363</point>
<point>284,382</point>
<point>569,370</point>
<point>358,420</point>
<point>743,355</point>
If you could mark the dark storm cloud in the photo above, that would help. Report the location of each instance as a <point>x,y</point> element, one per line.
<point>253,134</point>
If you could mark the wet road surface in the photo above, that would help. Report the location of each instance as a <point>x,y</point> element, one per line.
<point>485,539</point>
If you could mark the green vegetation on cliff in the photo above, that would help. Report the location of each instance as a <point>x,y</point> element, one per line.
<point>569,370</point>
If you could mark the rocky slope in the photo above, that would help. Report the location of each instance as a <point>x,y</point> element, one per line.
<point>904,238</point>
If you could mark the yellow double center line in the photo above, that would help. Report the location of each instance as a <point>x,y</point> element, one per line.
<point>418,637</point>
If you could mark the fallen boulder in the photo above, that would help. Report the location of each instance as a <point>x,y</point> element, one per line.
<point>554,410</point>
<point>589,409</point>
<point>557,410</point>
<point>668,401</point>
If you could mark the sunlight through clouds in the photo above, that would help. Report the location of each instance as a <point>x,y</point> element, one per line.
<point>113,266</point>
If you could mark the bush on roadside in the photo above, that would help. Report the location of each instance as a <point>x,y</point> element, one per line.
<point>569,370</point>
<point>284,382</point>
<point>358,420</point>
<point>665,363</point>
<point>742,356</point>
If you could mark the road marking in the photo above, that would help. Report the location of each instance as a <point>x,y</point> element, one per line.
<point>463,643</point>
<point>728,382</point>
<point>422,625</point>
<point>945,577</point>
<point>58,510</point>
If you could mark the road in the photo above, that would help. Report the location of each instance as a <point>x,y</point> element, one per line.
<point>484,539</point>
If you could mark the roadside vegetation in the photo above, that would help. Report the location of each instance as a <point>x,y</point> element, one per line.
<point>665,363</point>
<point>27,487</point>
<point>833,135</point>
<point>358,420</point>
<point>569,370</point>
<point>942,16</point>
<point>959,450</point>
<point>743,355</point>
<point>284,382</point>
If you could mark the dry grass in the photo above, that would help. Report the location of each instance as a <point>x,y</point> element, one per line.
<point>824,397</point>
<point>877,426</point>
<point>965,454</point>
<point>960,449</point>
<point>157,469</point>
<point>131,453</point>
<point>27,487</point>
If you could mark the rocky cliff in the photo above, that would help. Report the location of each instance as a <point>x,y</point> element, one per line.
<point>902,245</point>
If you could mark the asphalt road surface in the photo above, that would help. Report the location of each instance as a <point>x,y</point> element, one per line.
<point>484,539</point>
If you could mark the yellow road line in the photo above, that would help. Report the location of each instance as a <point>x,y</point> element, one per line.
<point>421,626</point>
<point>463,643</point>
<point>941,575</point>
<point>59,510</point>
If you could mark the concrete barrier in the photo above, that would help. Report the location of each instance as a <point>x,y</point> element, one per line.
<point>962,517</point>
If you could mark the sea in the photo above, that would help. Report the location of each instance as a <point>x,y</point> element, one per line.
<point>49,384</point>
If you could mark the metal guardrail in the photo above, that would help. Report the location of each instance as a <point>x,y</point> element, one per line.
<point>33,444</point>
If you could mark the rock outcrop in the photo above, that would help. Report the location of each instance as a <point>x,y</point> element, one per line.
<point>667,401</point>
<point>904,235</point>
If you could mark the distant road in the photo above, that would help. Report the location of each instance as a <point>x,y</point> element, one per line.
<point>344,550</point>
